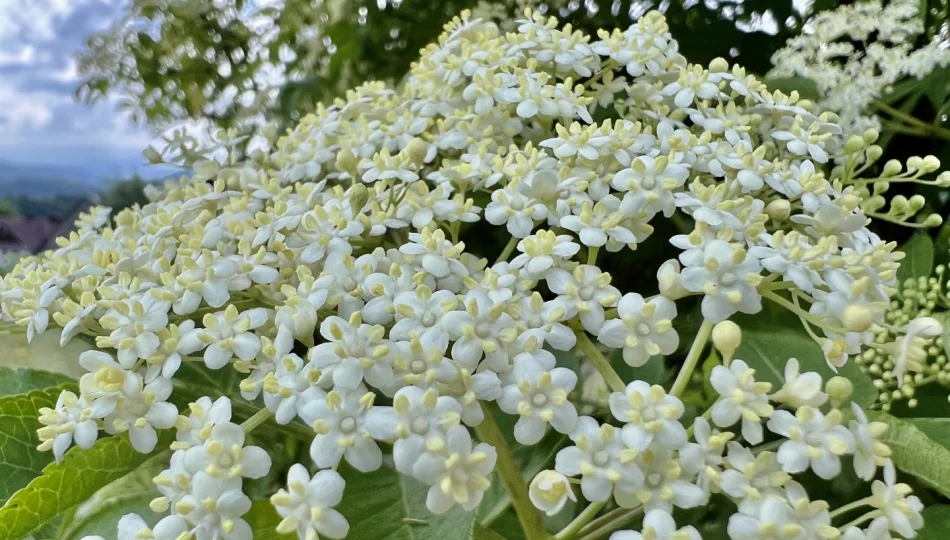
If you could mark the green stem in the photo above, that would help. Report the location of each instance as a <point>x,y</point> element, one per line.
<point>592,255</point>
<point>528,515</point>
<point>866,517</point>
<point>608,526</point>
<point>259,418</point>
<point>602,364</point>
<point>507,251</point>
<point>848,507</point>
<point>582,519</point>
<point>692,359</point>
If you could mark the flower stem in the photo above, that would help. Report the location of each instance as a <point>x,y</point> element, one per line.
<point>507,251</point>
<point>692,359</point>
<point>528,515</point>
<point>609,522</point>
<point>259,418</point>
<point>592,255</point>
<point>848,507</point>
<point>602,364</point>
<point>582,519</point>
<point>866,517</point>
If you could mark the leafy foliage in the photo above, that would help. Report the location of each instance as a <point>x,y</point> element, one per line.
<point>19,381</point>
<point>386,504</point>
<point>20,461</point>
<point>915,453</point>
<point>83,471</point>
<point>919,257</point>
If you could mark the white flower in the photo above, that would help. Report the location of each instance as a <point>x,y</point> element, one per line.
<point>224,454</point>
<point>458,473</point>
<point>133,324</point>
<point>800,388</point>
<point>585,292</point>
<point>752,477</point>
<point>726,276</point>
<point>815,440</point>
<point>704,457</point>
<point>649,184</point>
<point>549,491</point>
<point>543,250</point>
<point>291,377</point>
<point>741,397</point>
<point>650,414</point>
<point>420,311</point>
<point>664,484</point>
<point>511,208</point>
<point>658,525</point>
<point>601,459</point>
<point>228,334</point>
<point>536,314</point>
<point>215,506</point>
<point>763,521</point>
<point>909,347</point>
<point>902,512</point>
<point>869,452</point>
<point>416,418</point>
<point>306,506</point>
<point>353,352</point>
<point>71,420</point>
<point>601,224</point>
<point>438,256</point>
<point>133,527</point>
<point>421,362</point>
<point>482,329</point>
<point>642,329</point>
<point>539,395</point>
<point>339,419</point>
<point>196,428</point>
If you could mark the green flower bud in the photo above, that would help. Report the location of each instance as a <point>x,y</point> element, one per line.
<point>839,390</point>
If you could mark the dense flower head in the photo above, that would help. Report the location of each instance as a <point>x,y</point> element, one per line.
<point>330,272</point>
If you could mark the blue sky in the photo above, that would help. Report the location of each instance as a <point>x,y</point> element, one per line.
<point>40,121</point>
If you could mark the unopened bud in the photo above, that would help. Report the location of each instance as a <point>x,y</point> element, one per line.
<point>891,168</point>
<point>871,135</point>
<point>930,164</point>
<point>416,151</point>
<point>669,280</point>
<point>718,65</point>
<point>726,336</point>
<point>856,318</point>
<point>779,209</point>
<point>873,153</point>
<point>345,160</point>
<point>933,220</point>
<point>153,156</point>
<point>854,144</point>
<point>839,390</point>
<point>359,195</point>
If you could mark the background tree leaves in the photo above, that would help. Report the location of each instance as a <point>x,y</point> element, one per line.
<point>918,257</point>
<point>915,453</point>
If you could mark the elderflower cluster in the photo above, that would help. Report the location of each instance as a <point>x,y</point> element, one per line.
<point>649,463</point>
<point>854,53</point>
<point>329,271</point>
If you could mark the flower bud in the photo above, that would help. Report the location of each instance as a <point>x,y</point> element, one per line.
<point>345,160</point>
<point>933,220</point>
<point>718,65</point>
<point>416,151</point>
<point>873,153</point>
<point>671,284</point>
<point>153,156</point>
<point>930,164</point>
<point>779,209</point>
<point>359,195</point>
<point>839,390</point>
<point>726,336</point>
<point>871,135</point>
<point>891,168</point>
<point>854,144</point>
<point>549,491</point>
<point>856,318</point>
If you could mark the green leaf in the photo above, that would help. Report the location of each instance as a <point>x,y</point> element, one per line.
<point>64,485</point>
<point>805,87</point>
<point>104,519</point>
<point>938,429</point>
<point>386,504</point>
<point>484,533</point>
<point>263,519</point>
<point>20,461</point>
<point>936,523</point>
<point>20,381</point>
<point>918,257</point>
<point>915,453</point>
<point>774,335</point>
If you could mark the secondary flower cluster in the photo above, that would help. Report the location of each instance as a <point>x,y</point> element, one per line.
<point>330,274</point>
<point>855,52</point>
<point>650,463</point>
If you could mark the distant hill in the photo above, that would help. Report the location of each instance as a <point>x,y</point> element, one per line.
<point>37,180</point>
